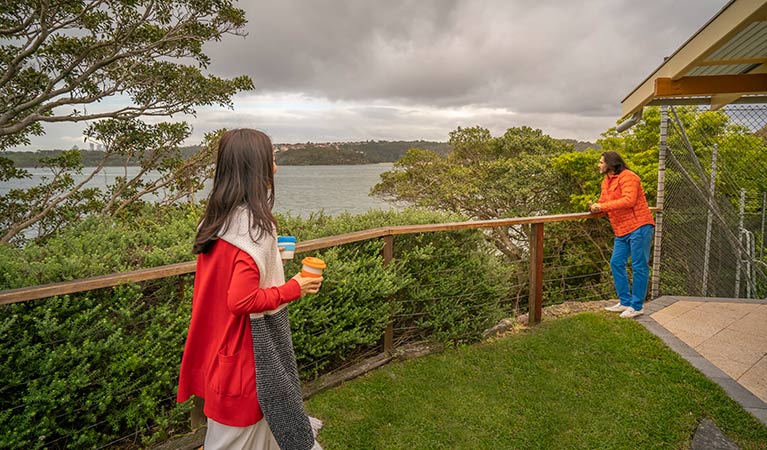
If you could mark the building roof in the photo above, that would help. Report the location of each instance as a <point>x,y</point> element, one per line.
<point>723,62</point>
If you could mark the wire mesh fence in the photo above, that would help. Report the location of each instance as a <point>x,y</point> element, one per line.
<point>714,202</point>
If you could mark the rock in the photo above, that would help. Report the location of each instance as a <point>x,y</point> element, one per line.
<point>709,437</point>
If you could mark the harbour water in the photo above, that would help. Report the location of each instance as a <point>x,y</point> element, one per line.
<point>300,190</point>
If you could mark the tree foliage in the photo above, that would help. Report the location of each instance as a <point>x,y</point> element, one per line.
<point>638,147</point>
<point>60,59</point>
<point>63,199</point>
<point>483,177</point>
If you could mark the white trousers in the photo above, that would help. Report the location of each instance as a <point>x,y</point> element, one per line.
<point>255,437</point>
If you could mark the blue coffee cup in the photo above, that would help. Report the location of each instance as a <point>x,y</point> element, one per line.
<point>288,244</point>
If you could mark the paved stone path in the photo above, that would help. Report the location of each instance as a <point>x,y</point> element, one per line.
<point>726,339</point>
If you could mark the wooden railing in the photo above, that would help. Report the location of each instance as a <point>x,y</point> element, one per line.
<point>388,233</point>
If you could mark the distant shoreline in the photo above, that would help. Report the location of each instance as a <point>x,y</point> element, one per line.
<point>85,168</point>
<point>308,154</point>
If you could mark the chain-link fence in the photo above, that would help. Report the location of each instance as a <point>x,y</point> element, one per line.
<point>714,201</point>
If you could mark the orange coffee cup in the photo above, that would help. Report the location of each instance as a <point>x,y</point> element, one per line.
<point>312,267</point>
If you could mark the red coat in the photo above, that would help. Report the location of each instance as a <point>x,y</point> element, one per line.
<point>624,202</point>
<point>218,363</point>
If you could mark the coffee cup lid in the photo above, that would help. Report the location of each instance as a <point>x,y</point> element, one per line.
<point>313,262</point>
<point>286,239</point>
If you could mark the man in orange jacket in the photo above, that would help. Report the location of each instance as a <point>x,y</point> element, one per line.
<point>624,202</point>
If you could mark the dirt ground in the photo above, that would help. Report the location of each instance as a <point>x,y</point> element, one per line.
<point>518,324</point>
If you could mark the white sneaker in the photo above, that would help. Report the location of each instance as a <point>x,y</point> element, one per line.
<point>616,308</point>
<point>630,313</point>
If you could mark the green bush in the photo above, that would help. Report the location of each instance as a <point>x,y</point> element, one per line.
<point>100,368</point>
<point>351,311</point>
<point>424,291</point>
<point>99,246</point>
<point>83,370</point>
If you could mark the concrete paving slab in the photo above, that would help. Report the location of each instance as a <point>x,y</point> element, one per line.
<point>693,338</point>
<point>749,339</point>
<point>755,379</point>
<point>732,351</point>
<point>706,316</point>
<point>753,323</point>
<point>671,340</point>
<point>674,310</point>
<point>723,338</point>
<point>727,311</point>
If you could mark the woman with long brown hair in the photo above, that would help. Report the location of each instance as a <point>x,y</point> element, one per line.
<point>624,201</point>
<point>239,354</point>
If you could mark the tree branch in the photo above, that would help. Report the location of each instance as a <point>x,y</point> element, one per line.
<point>15,229</point>
<point>148,52</point>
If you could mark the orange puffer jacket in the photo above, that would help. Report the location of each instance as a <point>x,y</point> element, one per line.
<point>624,202</point>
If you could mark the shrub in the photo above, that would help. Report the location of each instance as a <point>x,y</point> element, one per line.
<point>424,291</point>
<point>86,369</point>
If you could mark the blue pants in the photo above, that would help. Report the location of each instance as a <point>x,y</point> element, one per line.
<point>637,245</point>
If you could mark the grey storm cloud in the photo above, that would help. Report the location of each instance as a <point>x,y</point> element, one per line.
<point>529,56</point>
<point>334,70</point>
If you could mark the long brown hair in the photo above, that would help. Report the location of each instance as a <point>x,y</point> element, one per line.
<point>244,177</point>
<point>614,162</point>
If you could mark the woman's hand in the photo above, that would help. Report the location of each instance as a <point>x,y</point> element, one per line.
<point>309,285</point>
<point>595,208</point>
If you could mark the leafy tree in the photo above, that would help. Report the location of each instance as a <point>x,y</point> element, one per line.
<point>485,177</point>
<point>61,202</point>
<point>638,147</point>
<point>59,58</point>
<point>482,177</point>
<point>62,56</point>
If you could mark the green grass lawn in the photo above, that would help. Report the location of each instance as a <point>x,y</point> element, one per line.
<point>590,381</point>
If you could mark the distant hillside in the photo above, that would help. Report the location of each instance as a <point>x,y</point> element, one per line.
<point>90,158</point>
<point>308,154</point>
<point>582,145</point>
<point>340,153</point>
<point>317,154</point>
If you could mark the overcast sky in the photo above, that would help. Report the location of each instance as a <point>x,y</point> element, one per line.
<point>344,70</point>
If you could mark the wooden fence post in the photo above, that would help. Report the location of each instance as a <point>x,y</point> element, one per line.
<point>196,416</point>
<point>536,274</point>
<point>388,255</point>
